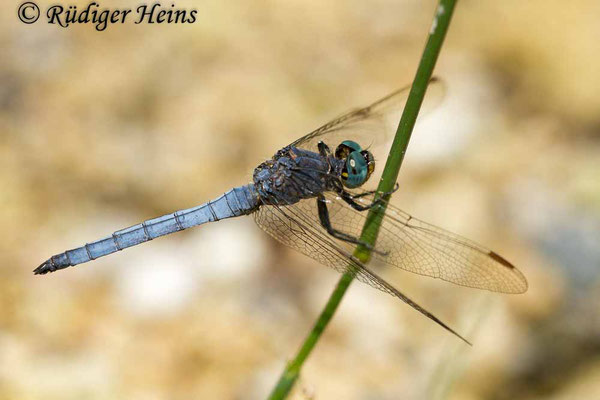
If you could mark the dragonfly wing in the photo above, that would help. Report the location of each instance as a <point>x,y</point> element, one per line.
<point>421,248</point>
<point>371,125</point>
<point>295,227</point>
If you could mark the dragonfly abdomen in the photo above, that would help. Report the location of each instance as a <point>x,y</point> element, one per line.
<point>238,201</point>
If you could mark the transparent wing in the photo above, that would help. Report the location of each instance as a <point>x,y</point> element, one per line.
<point>294,226</point>
<point>374,124</point>
<point>416,246</point>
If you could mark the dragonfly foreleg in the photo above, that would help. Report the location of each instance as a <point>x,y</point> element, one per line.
<point>323,149</point>
<point>349,198</point>
<point>326,223</point>
<point>371,192</point>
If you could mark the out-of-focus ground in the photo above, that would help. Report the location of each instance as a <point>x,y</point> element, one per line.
<point>101,130</point>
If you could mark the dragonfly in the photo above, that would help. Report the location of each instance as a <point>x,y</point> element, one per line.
<point>312,196</point>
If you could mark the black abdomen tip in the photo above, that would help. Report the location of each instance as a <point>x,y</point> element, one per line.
<point>51,265</point>
<point>45,267</point>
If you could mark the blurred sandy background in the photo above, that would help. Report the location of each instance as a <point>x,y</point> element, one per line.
<point>101,130</point>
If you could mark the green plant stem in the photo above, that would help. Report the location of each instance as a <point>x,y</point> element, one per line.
<point>441,21</point>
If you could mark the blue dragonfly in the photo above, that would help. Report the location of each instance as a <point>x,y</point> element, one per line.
<point>311,195</point>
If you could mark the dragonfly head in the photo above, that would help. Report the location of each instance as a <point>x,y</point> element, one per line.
<point>358,166</point>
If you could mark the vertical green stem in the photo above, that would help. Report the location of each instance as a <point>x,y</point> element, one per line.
<point>437,33</point>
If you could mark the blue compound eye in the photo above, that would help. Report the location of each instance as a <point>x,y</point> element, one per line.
<point>359,164</point>
<point>345,148</point>
<point>356,170</point>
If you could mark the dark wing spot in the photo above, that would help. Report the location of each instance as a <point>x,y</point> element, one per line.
<point>501,260</point>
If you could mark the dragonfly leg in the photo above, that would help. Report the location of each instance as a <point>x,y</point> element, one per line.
<point>370,192</point>
<point>323,149</point>
<point>349,198</point>
<point>326,223</point>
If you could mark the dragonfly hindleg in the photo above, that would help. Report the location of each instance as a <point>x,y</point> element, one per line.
<point>326,223</point>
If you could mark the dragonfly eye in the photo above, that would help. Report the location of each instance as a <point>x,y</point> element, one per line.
<point>359,163</point>
<point>357,169</point>
<point>345,148</point>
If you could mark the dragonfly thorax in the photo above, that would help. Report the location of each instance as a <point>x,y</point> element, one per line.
<point>294,174</point>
